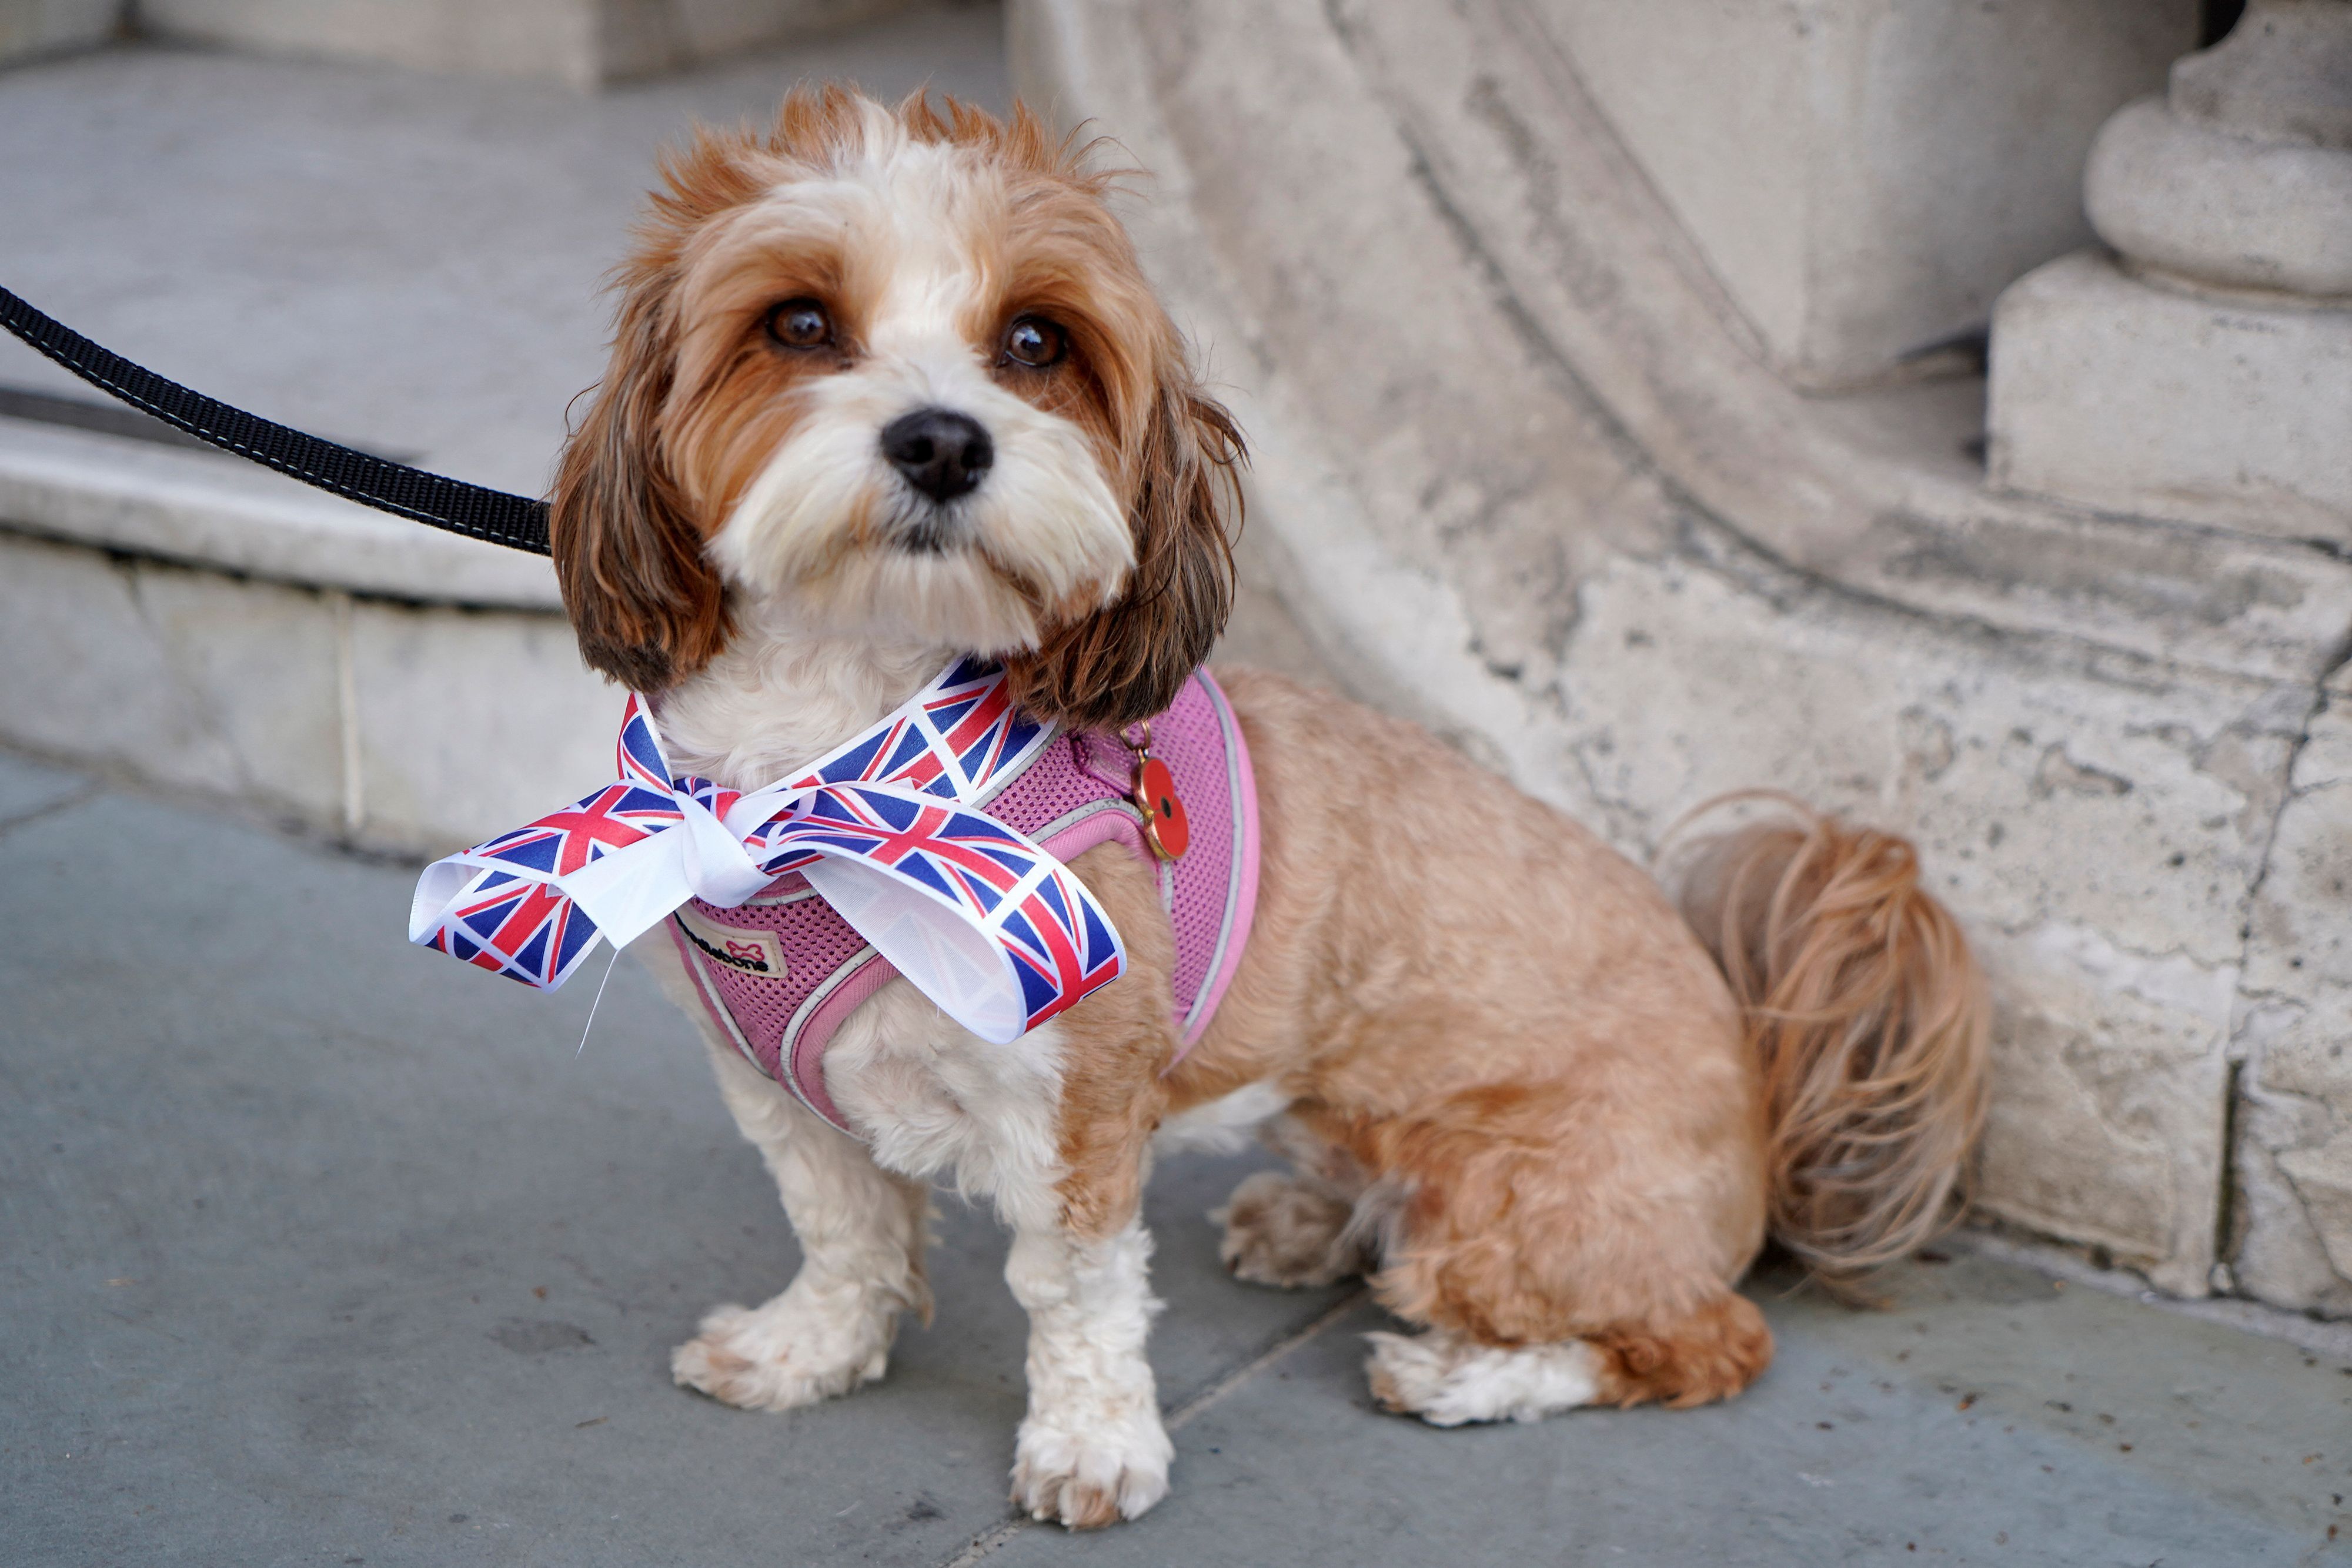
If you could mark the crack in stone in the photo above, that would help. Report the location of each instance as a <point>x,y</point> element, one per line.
<point>2251,1048</point>
<point>2284,1179</point>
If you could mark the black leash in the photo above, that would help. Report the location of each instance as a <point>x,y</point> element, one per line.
<point>516,521</point>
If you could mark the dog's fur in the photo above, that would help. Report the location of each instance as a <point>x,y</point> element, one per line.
<point>1518,1091</point>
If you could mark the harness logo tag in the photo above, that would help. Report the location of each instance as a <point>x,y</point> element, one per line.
<point>745,952</point>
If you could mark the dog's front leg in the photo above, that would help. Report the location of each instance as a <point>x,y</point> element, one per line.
<point>861,1231</point>
<point>1092,1449</point>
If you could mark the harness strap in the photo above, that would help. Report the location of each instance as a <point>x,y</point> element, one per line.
<point>516,521</point>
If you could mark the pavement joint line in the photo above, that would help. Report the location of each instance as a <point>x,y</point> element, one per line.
<point>10,824</point>
<point>1183,1415</point>
<point>989,1543</point>
<point>985,1545</point>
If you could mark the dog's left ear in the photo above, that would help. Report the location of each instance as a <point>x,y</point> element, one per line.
<point>1114,667</point>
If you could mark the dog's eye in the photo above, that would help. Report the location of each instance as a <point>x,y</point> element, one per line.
<point>800,324</point>
<point>1035,342</point>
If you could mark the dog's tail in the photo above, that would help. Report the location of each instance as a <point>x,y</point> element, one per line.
<point>1869,1014</point>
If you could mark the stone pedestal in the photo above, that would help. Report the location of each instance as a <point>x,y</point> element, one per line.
<point>2112,391</point>
<point>2202,368</point>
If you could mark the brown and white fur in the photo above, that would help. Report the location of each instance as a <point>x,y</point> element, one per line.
<point>1519,1091</point>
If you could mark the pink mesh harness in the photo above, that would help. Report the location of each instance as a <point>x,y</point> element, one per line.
<point>781,972</point>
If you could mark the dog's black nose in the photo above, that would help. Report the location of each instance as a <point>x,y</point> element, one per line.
<point>943,454</point>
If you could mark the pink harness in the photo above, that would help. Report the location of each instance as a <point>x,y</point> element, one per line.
<point>780,973</point>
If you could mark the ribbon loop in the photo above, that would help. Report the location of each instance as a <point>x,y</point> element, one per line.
<point>887,829</point>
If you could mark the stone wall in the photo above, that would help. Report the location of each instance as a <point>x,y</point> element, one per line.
<point>1525,472</point>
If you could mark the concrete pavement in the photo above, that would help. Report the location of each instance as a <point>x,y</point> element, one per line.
<point>316,1248</point>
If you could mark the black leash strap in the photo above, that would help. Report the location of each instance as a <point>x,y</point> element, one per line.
<point>516,521</point>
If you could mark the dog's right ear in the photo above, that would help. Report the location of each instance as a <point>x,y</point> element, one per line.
<point>647,608</point>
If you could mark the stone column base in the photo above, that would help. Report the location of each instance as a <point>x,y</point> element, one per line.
<point>2122,394</point>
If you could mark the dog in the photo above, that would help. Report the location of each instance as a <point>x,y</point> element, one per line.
<point>1551,1116</point>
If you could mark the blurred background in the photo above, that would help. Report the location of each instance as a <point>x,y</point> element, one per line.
<point>1941,411</point>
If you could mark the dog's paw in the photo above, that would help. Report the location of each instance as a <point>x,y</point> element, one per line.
<point>1279,1231</point>
<point>1088,1477</point>
<point>798,1349</point>
<point>1449,1381</point>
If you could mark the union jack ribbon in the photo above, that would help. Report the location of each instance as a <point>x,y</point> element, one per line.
<point>887,828</point>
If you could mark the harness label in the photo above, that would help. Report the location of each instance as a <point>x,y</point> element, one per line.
<point>745,952</point>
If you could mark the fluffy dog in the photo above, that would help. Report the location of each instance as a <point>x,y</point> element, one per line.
<point>1519,1092</point>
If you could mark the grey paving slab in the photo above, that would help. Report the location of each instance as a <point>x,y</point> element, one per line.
<point>317,1247</point>
<point>28,788</point>
<point>409,261</point>
<point>1989,1418</point>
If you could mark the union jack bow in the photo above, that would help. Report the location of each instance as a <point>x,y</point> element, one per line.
<point>984,922</point>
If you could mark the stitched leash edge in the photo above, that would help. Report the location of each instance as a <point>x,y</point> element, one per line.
<point>495,517</point>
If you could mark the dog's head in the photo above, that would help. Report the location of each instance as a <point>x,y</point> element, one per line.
<point>897,375</point>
